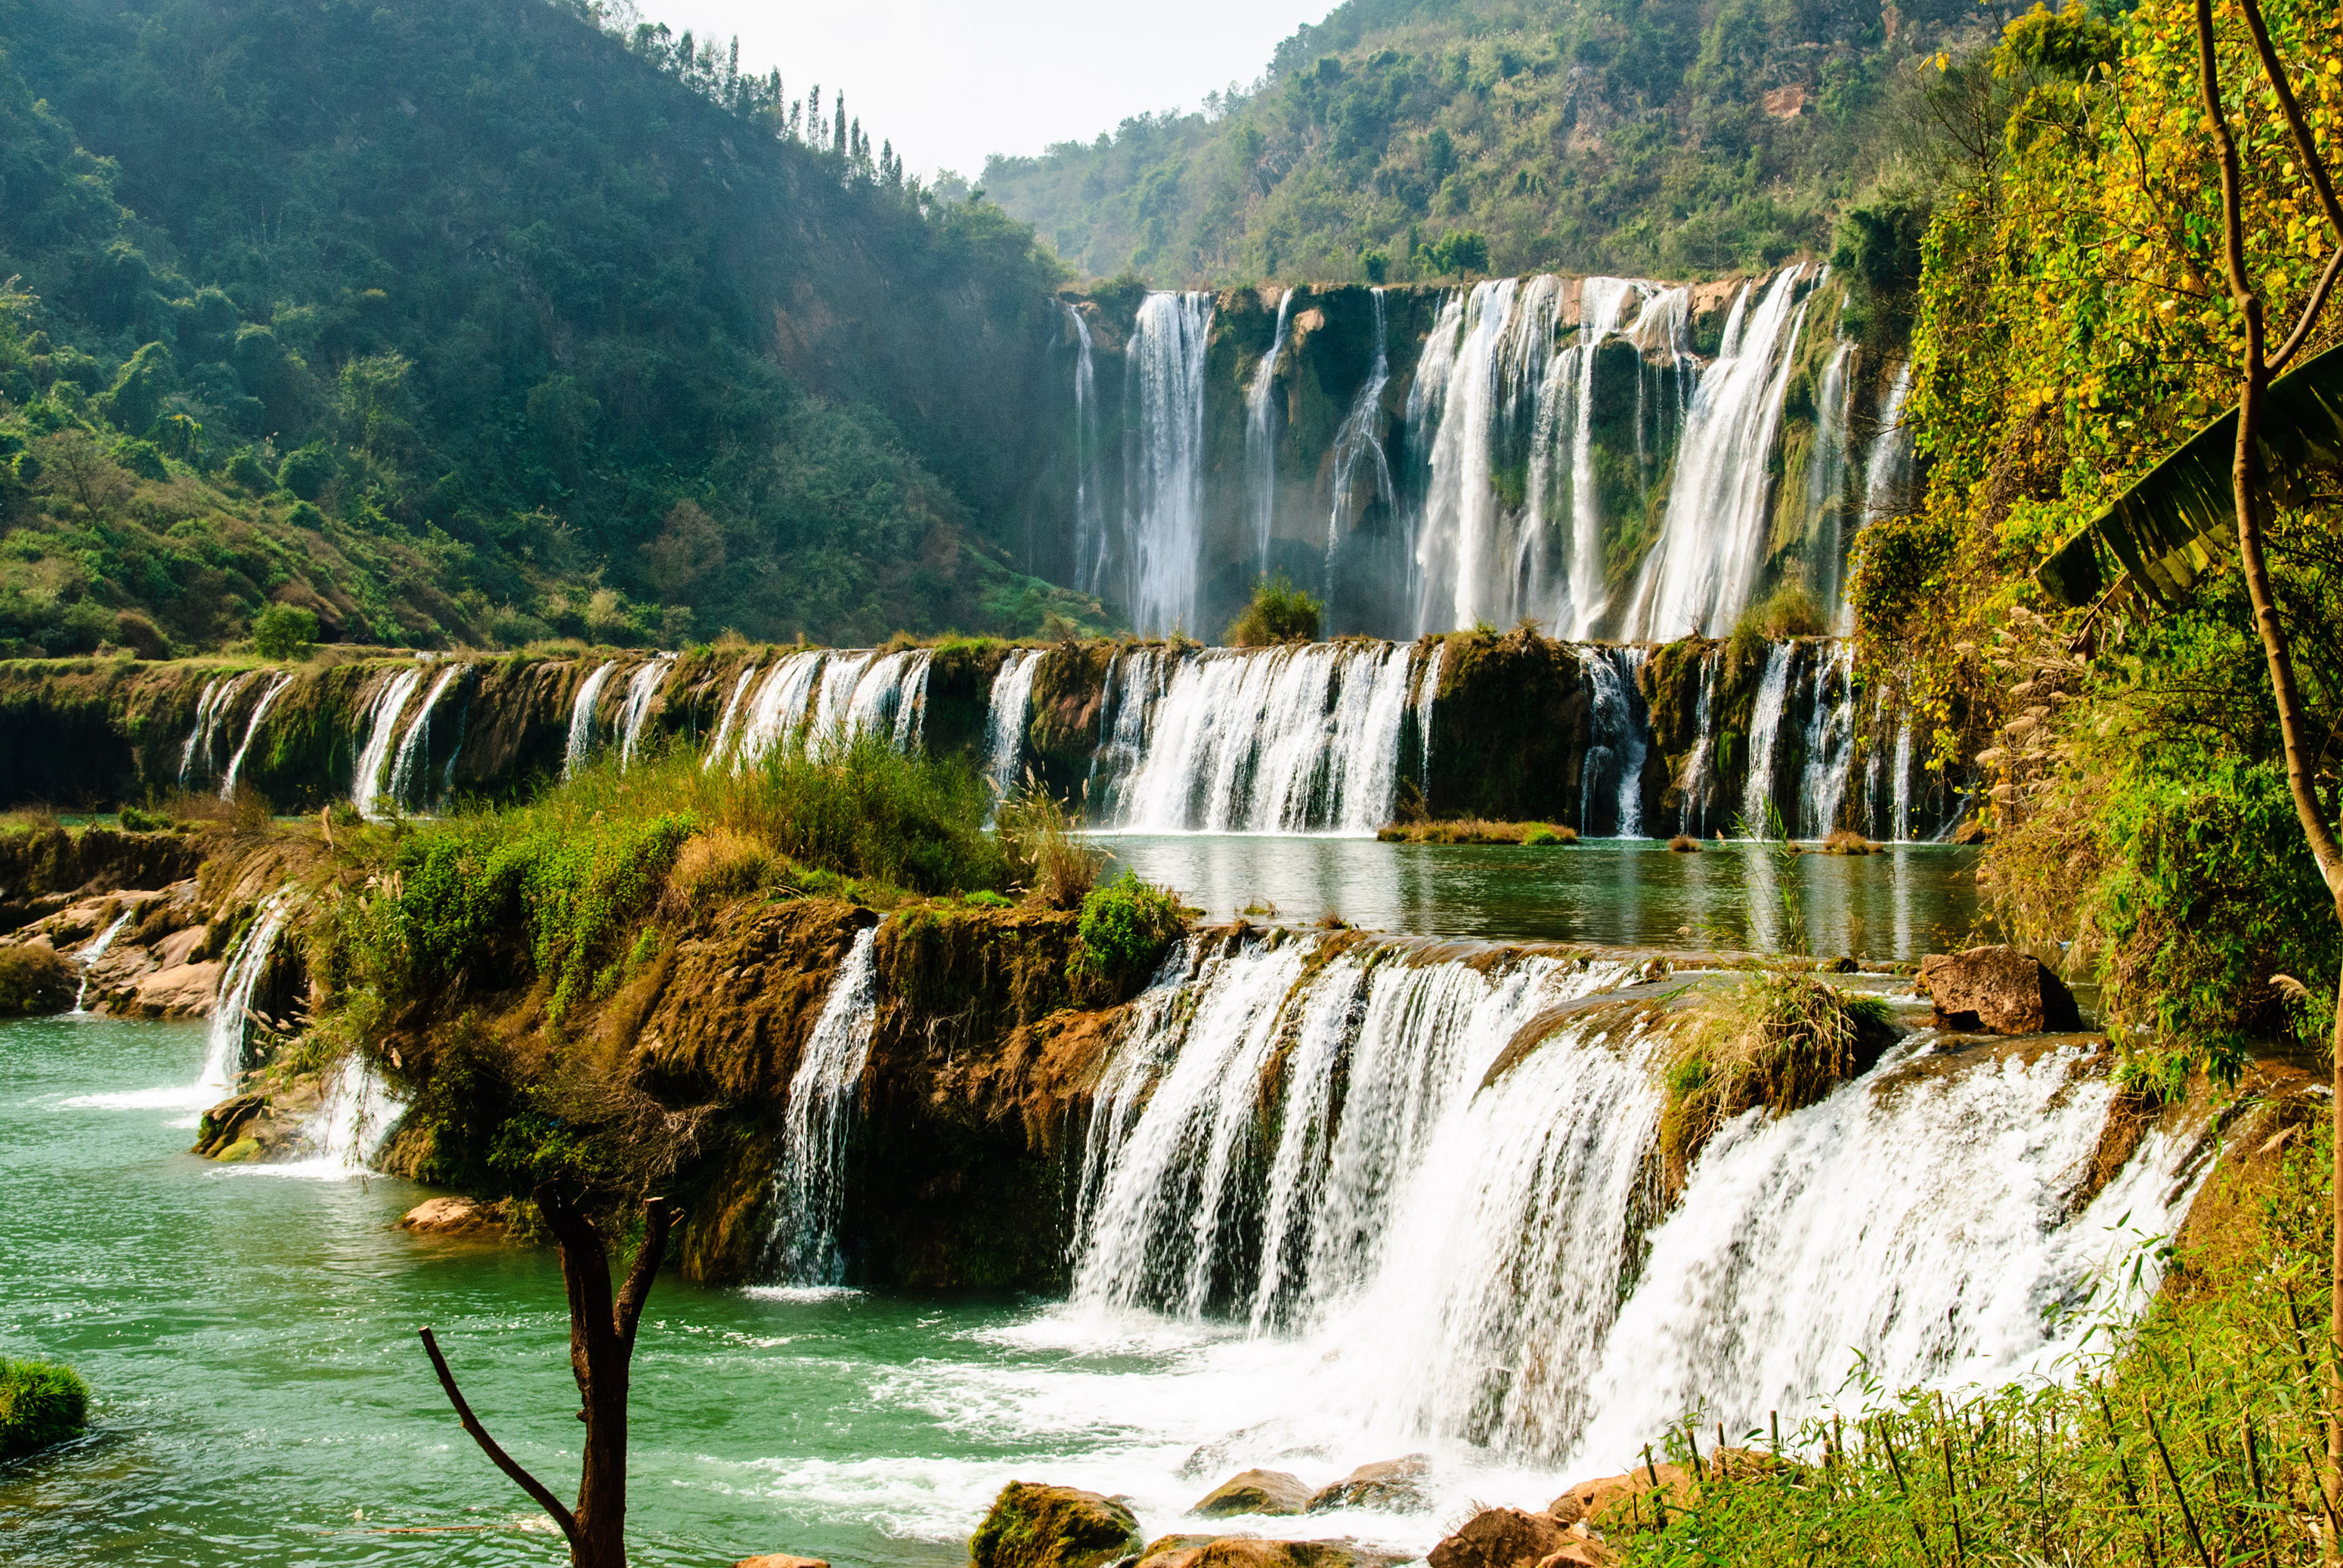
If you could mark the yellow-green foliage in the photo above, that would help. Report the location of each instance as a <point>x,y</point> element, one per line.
<point>40,1405</point>
<point>1279,612</point>
<point>1046,855</point>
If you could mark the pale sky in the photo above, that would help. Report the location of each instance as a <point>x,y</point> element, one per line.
<point>949,83</point>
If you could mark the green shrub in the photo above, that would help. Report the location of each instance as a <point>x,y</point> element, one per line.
<point>307,472</point>
<point>34,980</point>
<point>135,820</point>
<point>1125,928</point>
<point>285,631</point>
<point>41,1404</point>
<point>143,459</point>
<point>244,471</point>
<point>1279,612</point>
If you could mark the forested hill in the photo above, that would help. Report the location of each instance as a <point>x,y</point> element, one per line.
<point>467,319</point>
<point>1672,138</point>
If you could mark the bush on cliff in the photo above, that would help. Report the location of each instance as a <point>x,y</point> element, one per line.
<point>34,980</point>
<point>1125,928</point>
<point>41,1404</point>
<point>1279,612</point>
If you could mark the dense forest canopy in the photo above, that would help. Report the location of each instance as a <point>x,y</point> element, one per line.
<point>1666,137</point>
<point>470,320</point>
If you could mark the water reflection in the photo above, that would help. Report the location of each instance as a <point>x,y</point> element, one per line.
<point>1906,900</point>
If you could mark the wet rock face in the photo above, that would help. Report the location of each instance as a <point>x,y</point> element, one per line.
<point>1998,991</point>
<point>1396,1486</point>
<point>1252,1551</point>
<point>1501,1538</point>
<point>230,1131</point>
<point>1033,1526</point>
<point>1254,1492</point>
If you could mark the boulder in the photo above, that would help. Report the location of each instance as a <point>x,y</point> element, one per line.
<point>1587,1501</point>
<point>1252,1551</point>
<point>1996,989</point>
<point>463,1216</point>
<point>1033,1526</point>
<point>782,1559</point>
<point>1396,1484</point>
<point>1501,1538</point>
<point>228,1123</point>
<point>1254,1492</point>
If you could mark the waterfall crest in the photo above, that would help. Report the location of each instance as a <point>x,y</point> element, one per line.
<point>1005,716</point>
<point>642,689</point>
<point>415,749</point>
<point>1260,436</point>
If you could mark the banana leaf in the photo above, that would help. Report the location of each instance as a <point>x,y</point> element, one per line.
<point>2176,521</point>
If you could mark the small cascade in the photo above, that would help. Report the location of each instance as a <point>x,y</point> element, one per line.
<point>1005,716</point>
<point>1134,682</point>
<point>1358,450</point>
<point>251,731</point>
<point>581,718</point>
<point>1899,819</point>
<point>777,715</point>
<point>1288,739</point>
<point>1699,777</point>
<point>414,751</point>
<point>1089,515</point>
<point>642,689</point>
<point>1611,778</point>
<point>889,697</point>
<point>1427,693</point>
<point>1826,485</point>
<point>1164,485</point>
<point>1757,806</point>
<point>810,1181</point>
<point>718,749</point>
<point>90,955</point>
<point>353,1118</point>
<point>1830,743</point>
<point>382,730</point>
<point>833,696</point>
<point>211,707</point>
<point>239,978</point>
<point>1701,573</point>
<point>1446,1212</point>
<point>1602,305</point>
<point>1260,435</point>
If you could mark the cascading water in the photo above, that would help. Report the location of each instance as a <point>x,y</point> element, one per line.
<point>251,731</point>
<point>1830,743</point>
<point>1358,450</point>
<point>777,715</point>
<point>1164,536</point>
<point>1698,778</point>
<point>809,1182</point>
<point>1699,577</point>
<point>1460,537</point>
<point>1888,469</point>
<point>890,698</point>
<point>90,955</point>
<point>415,748</point>
<point>1427,694</point>
<point>581,718</point>
<point>1287,739</point>
<point>1611,774</point>
<point>1260,436</point>
<point>1005,716</point>
<point>239,978</point>
<point>1422,1179</point>
<point>1826,484</point>
<point>211,707</point>
<point>382,729</point>
<point>1089,518</point>
<point>356,1114</point>
<point>642,688</point>
<point>833,696</point>
<point>1757,808</point>
<point>1602,303</point>
<point>722,746</point>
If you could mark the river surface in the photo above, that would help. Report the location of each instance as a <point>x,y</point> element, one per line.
<point>260,1398</point>
<point>1907,900</point>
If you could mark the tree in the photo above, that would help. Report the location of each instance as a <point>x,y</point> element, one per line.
<point>601,1352</point>
<point>284,631</point>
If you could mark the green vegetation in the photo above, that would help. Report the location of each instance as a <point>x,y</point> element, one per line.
<point>1127,926</point>
<point>34,980</point>
<point>1279,612</point>
<point>1402,139</point>
<point>624,345</point>
<point>41,1404</point>
<point>284,631</point>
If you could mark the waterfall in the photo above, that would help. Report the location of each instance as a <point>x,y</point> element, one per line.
<point>1601,302</point>
<point>1427,692</point>
<point>1090,519</point>
<point>1827,485</point>
<point>91,954</point>
<point>581,718</point>
<point>1703,572</point>
<point>1900,807</point>
<point>1164,492</point>
<point>1260,436</point>
<point>641,688</point>
<point>1427,1177</point>
<point>415,749</point>
<point>717,748</point>
<point>1765,728</point>
<point>1134,680</point>
<point>1005,714</point>
<point>1693,787</point>
<point>251,731</point>
<point>219,695</point>
<point>1830,743</point>
<point>1460,535</point>
<point>1616,745</point>
<point>889,696</point>
<point>239,977</point>
<point>777,714</point>
<point>382,729</point>
<point>809,1182</point>
<point>1888,469</point>
<point>1284,739</point>
<point>834,698</point>
<point>1357,443</point>
<point>354,1118</point>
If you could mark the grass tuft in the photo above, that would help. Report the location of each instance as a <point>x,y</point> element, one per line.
<point>41,1404</point>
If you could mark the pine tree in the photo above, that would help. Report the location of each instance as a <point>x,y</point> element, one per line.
<point>838,110</point>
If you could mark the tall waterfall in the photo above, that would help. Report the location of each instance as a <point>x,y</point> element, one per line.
<point>1826,468</point>
<point>1005,717</point>
<point>809,1181</point>
<point>1260,435</point>
<point>382,731</point>
<point>642,689</point>
<point>239,978</point>
<point>1358,450</point>
<point>1164,536</point>
<point>251,731</point>
<point>1089,515</point>
<point>1290,739</point>
<point>581,718</point>
<point>1461,551</point>
<point>1602,304</point>
<point>1701,572</point>
<point>1887,471</point>
<point>1442,1208</point>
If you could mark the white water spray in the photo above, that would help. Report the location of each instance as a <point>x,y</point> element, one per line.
<point>809,1181</point>
<point>581,718</point>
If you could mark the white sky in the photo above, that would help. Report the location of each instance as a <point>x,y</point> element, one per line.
<point>949,83</point>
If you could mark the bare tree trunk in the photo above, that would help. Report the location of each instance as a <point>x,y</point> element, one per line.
<point>601,1353</point>
<point>2253,383</point>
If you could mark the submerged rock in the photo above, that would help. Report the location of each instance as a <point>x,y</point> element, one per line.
<point>1997,989</point>
<point>1252,1551</point>
<point>1255,1492</point>
<point>1033,1526</point>
<point>464,1217</point>
<point>1392,1484</point>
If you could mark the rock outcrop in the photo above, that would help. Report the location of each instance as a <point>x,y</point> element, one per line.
<point>1501,1538</point>
<point>1034,1525</point>
<point>1266,1492</point>
<point>1997,990</point>
<point>1395,1484</point>
<point>464,1217</point>
<point>1253,1551</point>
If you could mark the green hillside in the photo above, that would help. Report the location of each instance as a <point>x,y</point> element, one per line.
<point>1676,137</point>
<point>466,320</point>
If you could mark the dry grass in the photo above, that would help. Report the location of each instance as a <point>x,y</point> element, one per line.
<point>1683,844</point>
<point>1476,830</point>
<point>1050,863</point>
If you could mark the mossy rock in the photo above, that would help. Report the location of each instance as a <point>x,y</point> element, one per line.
<point>1033,1526</point>
<point>41,1404</point>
